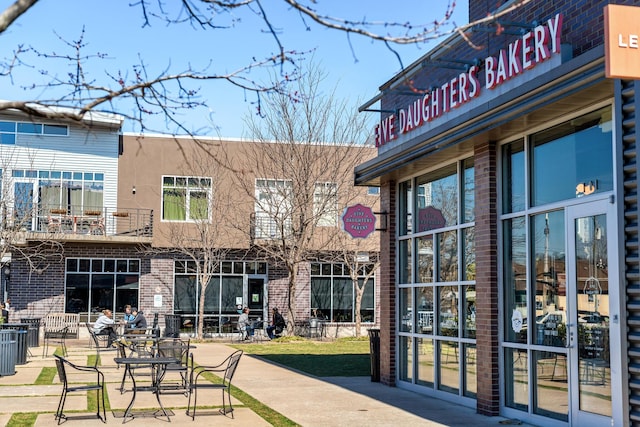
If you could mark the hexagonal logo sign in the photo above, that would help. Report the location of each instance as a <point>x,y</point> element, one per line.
<point>359,221</point>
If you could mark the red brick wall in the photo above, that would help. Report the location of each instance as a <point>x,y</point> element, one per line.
<point>387,285</point>
<point>487,320</point>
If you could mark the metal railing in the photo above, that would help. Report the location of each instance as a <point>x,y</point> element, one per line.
<point>98,221</point>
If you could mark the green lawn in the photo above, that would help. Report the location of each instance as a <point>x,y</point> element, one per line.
<point>340,358</point>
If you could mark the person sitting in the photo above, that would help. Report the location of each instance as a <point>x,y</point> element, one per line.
<point>128,316</point>
<point>245,325</point>
<point>105,325</point>
<point>277,324</point>
<point>5,313</point>
<point>139,322</point>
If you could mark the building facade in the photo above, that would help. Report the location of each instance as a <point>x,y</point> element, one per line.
<point>97,219</point>
<point>509,269</point>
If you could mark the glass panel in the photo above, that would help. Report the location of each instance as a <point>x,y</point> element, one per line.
<point>469,253</point>
<point>468,191</point>
<point>321,296</point>
<point>513,177</point>
<point>470,370</point>
<point>449,367</point>
<point>367,305</point>
<point>448,256</point>
<point>342,300</point>
<point>8,138</point>
<point>593,321</point>
<point>174,204</point>
<point>184,297</point>
<point>404,261</point>
<point>573,159</point>
<point>198,205</point>
<point>425,259</point>
<point>424,298</point>
<point>516,378</point>
<point>515,280</point>
<point>34,128</point>
<point>127,286</point>
<point>405,207</point>
<point>212,296</point>
<point>437,199</point>
<point>231,289</point>
<point>77,294</point>
<point>7,126</point>
<point>551,396</point>
<point>469,302</point>
<point>56,130</point>
<point>425,362</point>
<point>548,241</point>
<point>405,309</point>
<point>405,359</point>
<point>102,292</point>
<point>448,310</point>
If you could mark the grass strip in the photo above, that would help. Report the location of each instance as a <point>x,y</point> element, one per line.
<point>47,374</point>
<point>339,358</point>
<point>269,415</point>
<point>23,419</point>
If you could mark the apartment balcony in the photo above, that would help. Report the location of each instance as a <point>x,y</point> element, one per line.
<point>109,225</point>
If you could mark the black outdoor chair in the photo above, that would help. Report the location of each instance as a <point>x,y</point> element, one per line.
<point>98,385</point>
<point>97,340</point>
<point>179,349</point>
<point>197,381</point>
<point>56,336</point>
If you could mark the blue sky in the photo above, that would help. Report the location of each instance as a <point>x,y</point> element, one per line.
<point>356,65</point>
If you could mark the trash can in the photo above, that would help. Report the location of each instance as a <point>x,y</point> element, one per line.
<point>8,352</point>
<point>172,325</point>
<point>21,329</point>
<point>374,347</point>
<point>33,336</point>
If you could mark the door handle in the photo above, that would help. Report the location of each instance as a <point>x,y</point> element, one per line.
<point>569,340</point>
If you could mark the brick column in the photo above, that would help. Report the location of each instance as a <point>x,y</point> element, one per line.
<point>487,320</point>
<point>387,286</point>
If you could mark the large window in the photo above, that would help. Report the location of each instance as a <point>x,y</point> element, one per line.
<point>333,294</point>
<point>9,130</point>
<point>185,198</point>
<point>543,174</point>
<point>95,284</point>
<point>325,204</point>
<point>436,266</point>
<point>225,286</point>
<point>273,208</point>
<point>69,191</point>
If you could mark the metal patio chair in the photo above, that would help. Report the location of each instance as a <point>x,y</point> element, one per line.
<point>62,365</point>
<point>198,381</point>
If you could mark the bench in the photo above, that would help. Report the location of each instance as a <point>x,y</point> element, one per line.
<point>57,321</point>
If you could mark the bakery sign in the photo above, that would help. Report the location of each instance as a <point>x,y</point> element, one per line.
<point>522,54</point>
<point>359,221</point>
<point>622,41</point>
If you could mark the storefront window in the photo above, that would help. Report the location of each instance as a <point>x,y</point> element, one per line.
<point>573,159</point>
<point>425,362</point>
<point>92,285</point>
<point>551,387</point>
<point>405,360</point>
<point>515,281</point>
<point>513,177</point>
<point>405,208</point>
<point>333,293</point>
<point>516,379</point>
<point>449,372</point>
<point>435,308</point>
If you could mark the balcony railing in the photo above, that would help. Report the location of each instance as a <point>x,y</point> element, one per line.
<point>77,220</point>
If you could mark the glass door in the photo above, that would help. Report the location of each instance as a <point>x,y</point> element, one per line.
<point>593,329</point>
<point>23,209</point>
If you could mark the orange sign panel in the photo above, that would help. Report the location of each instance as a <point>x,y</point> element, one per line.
<point>622,41</point>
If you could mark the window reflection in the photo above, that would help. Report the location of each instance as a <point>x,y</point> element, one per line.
<point>406,310</point>
<point>437,199</point>
<point>571,155</point>
<point>515,280</point>
<point>448,256</point>
<point>448,310</point>
<point>425,259</point>
<point>449,367</point>
<point>425,356</point>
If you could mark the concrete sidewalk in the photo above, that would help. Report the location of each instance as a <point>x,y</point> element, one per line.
<point>306,400</point>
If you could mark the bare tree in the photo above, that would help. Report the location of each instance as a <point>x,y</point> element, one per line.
<point>202,206</point>
<point>299,174</point>
<point>169,92</point>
